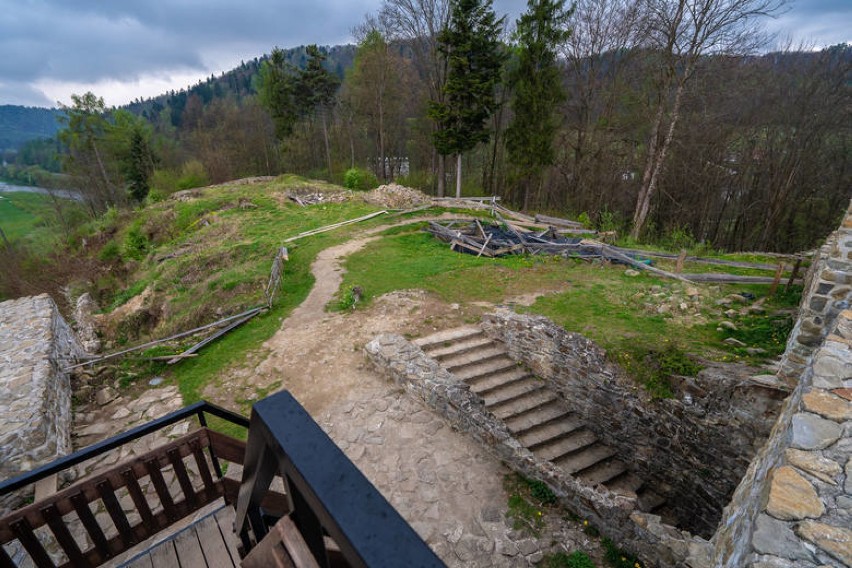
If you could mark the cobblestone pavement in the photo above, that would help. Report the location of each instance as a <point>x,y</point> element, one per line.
<point>443,483</point>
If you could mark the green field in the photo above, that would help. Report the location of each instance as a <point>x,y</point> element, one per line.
<point>30,219</point>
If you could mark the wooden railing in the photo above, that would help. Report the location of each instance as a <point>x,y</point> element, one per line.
<point>114,510</point>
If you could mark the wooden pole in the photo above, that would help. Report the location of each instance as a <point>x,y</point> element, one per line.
<point>795,273</point>
<point>778,273</point>
<point>680,260</point>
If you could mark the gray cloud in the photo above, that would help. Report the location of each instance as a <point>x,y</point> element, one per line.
<point>94,41</point>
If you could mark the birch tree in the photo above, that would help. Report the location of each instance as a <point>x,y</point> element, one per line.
<point>680,32</point>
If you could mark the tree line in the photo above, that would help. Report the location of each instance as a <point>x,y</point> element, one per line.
<point>664,119</point>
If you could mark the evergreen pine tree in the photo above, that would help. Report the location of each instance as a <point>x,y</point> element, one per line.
<point>474,55</point>
<point>537,88</point>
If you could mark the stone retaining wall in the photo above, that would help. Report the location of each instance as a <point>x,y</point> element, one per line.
<point>794,506</point>
<point>35,393</point>
<point>693,449</point>
<point>616,515</point>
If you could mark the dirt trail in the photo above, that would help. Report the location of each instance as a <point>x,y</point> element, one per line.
<point>440,480</point>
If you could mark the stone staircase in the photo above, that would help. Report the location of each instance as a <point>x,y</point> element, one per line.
<point>534,414</point>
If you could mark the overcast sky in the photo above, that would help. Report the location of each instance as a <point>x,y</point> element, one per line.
<point>121,49</point>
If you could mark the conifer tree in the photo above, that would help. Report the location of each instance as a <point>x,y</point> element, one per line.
<point>537,86</point>
<point>474,56</point>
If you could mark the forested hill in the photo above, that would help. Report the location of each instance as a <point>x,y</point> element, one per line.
<point>20,124</point>
<point>237,83</point>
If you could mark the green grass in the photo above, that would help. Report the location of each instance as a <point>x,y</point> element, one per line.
<point>576,559</point>
<point>31,219</point>
<point>527,502</point>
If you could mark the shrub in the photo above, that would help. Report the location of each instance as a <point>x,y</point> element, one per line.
<point>359,180</point>
<point>110,251</point>
<point>192,174</point>
<point>136,244</point>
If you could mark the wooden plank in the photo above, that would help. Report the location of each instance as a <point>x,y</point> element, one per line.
<point>611,253</point>
<point>5,560</point>
<point>189,549</point>
<point>143,561</point>
<point>227,448</point>
<point>213,337</point>
<point>183,478</point>
<point>116,513</point>
<point>96,534</point>
<point>680,260</point>
<point>334,226</point>
<point>164,555</point>
<point>34,548</point>
<point>201,462</point>
<point>63,536</point>
<point>558,221</point>
<point>140,501</point>
<point>776,279</point>
<point>46,487</point>
<point>225,519</point>
<point>213,544</point>
<point>162,490</point>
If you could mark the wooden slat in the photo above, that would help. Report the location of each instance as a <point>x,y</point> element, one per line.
<point>201,462</point>
<point>189,550</point>
<point>183,477</point>
<point>143,561</point>
<point>162,490</point>
<point>63,536</point>
<point>213,544</point>
<point>96,534</point>
<point>227,448</point>
<point>5,560</point>
<point>116,514</point>
<point>140,501</point>
<point>225,520</point>
<point>164,555</point>
<point>26,536</point>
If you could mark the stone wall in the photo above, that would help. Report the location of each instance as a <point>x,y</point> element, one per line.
<point>36,344</point>
<point>828,291</point>
<point>693,449</point>
<point>616,515</point>
<point>794,507</point>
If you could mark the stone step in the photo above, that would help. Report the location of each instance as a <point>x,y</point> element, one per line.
<point>471,373</point>
<point>511,392</point>
<point>559,427</point>
<point>602,472</point>
<point>485,384</point>
<point>442,351</point>
<point>447,336</point>
<point>475,357</point>
<point>574,463</point>
<point>542,416</point>
<point>625,484</point>
<point>525,404</point>
<point>650,501</point>
<point>573,443</point>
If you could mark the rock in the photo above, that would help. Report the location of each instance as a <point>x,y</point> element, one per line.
<point>631,272</point>
<point>663,309</point>
<point>734,342</point>
<point>772,536</point>
<point>737,298</point>
<point>106,395</point>
<point>731,313</point>
<point>527,546</point>
<point>828,405</point>
<point>724,302</point>
<point>506,547</point>
<point>156,381</point>
<point>755,351</point>
<point>835,541</point>
<point>535,557</point>
<point>844,393</point>
<point>820,467</point>
<point>725,324</point>
<point>810,432</point>
<point>692,291</point>
<point>756,310</point>
<point>791,497</point>
<point>847,486</point>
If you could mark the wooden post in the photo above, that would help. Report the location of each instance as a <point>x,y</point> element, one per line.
<point>795,273</point>
<point>778,273</point>
<point>680,260</point>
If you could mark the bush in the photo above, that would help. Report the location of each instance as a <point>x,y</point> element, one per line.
<point>136,244</point>
<point>192,174</point>
<point>110,251</point>
<point>359,180</point>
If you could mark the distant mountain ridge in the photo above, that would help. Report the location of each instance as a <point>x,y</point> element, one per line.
<point>20,124</point>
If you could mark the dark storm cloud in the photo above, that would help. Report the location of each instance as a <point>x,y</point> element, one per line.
<point>91,40</point>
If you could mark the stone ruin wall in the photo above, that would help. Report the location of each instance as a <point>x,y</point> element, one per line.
<point>693,449</point>
<point>36,344</point>
<point>794,505</point>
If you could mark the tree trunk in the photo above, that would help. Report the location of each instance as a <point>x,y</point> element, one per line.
<point>441,180</point>
<point>325,139</point>
<point>656,159</point>
<point>458,175</point>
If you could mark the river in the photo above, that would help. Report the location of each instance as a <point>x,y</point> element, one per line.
<point>64,193</point>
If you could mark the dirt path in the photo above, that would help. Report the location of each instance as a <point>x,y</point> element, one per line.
<point>441,481</point>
